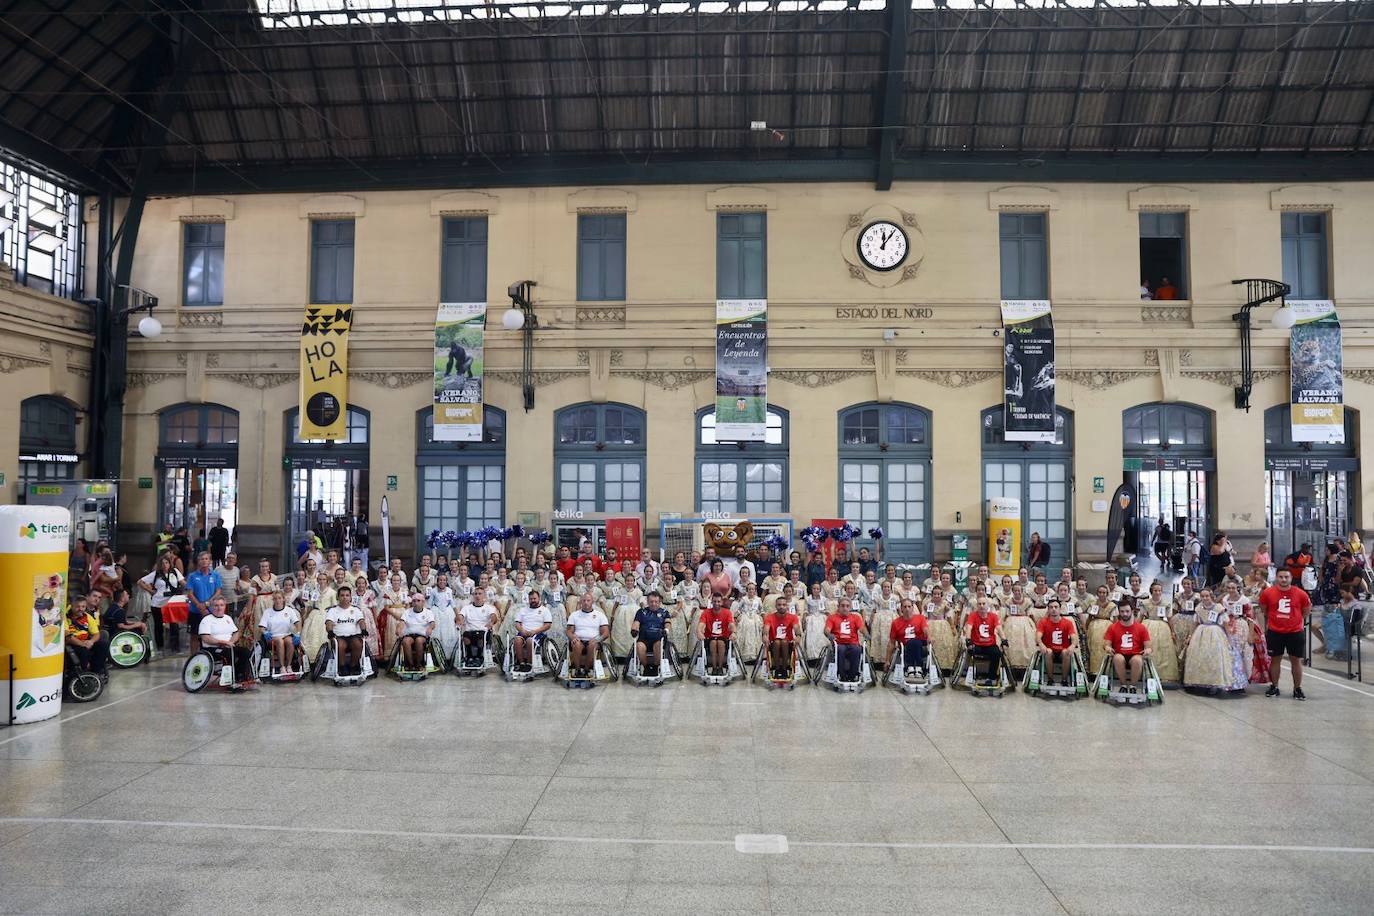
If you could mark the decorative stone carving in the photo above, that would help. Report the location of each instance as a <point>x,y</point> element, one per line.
<point>392,379</point>
<point>541,379</point>
<point>855,219</point>
<point>856,272</point>
<point>145,379</point>
<point>908,218</point>
<point>1099,379</point>
<point>601,315</point>
<point>603,200</point>
<point>669,379</point>
<point>1162,314</point>
<point>457,202</point>
<point>200,318</point>
<point>1152,357</point>
<point>739,198</point>
<point>1360,375</point>
<point>323,206</point>
<point>1230,378</point>
<point>952,378</point>
<point>45,346</point>
<point>584,357</point>
<point>916,246</point>
<point>816,378</point>
<point>258,380</point>
<point>15,363</point>
<point>1023,198</point>
<point>866,356</point>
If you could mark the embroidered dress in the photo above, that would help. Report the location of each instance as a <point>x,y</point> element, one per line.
<point>880,628</point>
<point>1099,618</point>
<point>1018,628</point>
<point>748,627</point>
<point>1163,652</point>
<point>1208,660</point>
<point>944,641</point>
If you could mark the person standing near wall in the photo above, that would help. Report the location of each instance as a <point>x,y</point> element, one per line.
<point>1285,608</point>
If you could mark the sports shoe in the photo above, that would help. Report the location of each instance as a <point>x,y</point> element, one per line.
<point>1298,694</point>
<point>1273,691</point>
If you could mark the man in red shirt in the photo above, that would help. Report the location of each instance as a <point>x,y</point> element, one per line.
<point>1058,638</point>
<point>909,637</point>
<point>983,637</point>
<point>565,562</point>
<point>780,634</point>
<point>716,627</point>
<point>1285,611</point>
<point>845,629</point>
<point>1129,641</point>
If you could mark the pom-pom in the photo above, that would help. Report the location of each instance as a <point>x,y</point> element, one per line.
<point>516,531</point>
<point>434,539</point>
<point>777,543</point>
<point>538,538</point>
<point>841,534</point>
<point>875,533</point>
<point>506,534</point>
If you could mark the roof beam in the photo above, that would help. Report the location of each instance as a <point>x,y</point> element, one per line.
<point>1277,86</point>
<point>892,102</point>
<point>1326,83</point>
<point>27,146</point>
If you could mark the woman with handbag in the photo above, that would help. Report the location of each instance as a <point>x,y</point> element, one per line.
<point>162,583</point>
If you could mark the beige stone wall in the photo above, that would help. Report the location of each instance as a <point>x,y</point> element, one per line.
<point>45,349</point>
<point>655,350</point>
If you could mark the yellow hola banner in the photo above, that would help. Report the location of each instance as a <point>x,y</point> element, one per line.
<point>1004,534</point>
<point>34,541</point>
<point>324,371</point>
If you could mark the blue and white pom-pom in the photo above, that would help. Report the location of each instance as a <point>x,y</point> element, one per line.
<point>776,543</point>
<point>875,533</point>
<point>434,539</point>
<point>539,537</point>
<point>516,531</point>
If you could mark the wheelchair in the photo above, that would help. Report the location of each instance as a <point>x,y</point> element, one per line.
<point>209,666</point>
<point>669,669</point>
<point>327,666</point>
<point>734,665</point>
<point>1037,680</point>
<point>78,684</point>
<point>463,666</point>
<point>544,660</point>
<point>1107,689</point>
<point>129,648</point>
<point>828,673</point>
<point>995,684</point>
<point>923,682</point>
<point>435,661</point>
<point>604,671</point>
<point>763,673</point>
<point>298,671</point>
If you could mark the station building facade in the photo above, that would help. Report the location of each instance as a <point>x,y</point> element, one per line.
<point>884,389</point>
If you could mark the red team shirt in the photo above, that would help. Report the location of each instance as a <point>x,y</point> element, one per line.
<point>1284,610</point>
<point>904,629</point>
<point>780,626</point>
<point>1057,636</point>
<point>1127,640</point>
<point>984,632</point>
<point>844,627</point>
<point>717,624</point>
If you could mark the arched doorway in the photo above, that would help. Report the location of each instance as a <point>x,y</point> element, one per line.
<point>885,476</point>
<point>1309,487</point>
<point>198,457</point>
<point>327,483</point>
<point>1170,459</point>
<point>1038,474</point>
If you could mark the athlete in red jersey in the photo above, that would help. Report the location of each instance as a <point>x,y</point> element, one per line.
<point>1058,637</point>
<point>983,636</point>
<point>1285,610</point>
<point>716,627</point>
<point>909,639</point>
<point>845,629</point>
<point>1130,643</point>
<point>780,635</point>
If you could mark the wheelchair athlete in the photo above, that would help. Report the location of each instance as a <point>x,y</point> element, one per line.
<point>780,638</point>
<point>417,627</point>
<point>533,622</point>
<point>648,630</point>
<point>984,640</point>
<point>846,630</point>
<point>1129,642</point>
<point>587,629</point>
<point>281,632</point>
<point>716,628</point>
<point>910,640</point>
<point>1058,638</point>
<point>218,633</point>
<point>84,638</point>
<point>477,620</point>
<point>344,622</point>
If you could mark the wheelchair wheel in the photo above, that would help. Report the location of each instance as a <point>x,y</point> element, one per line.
<point>321,662</point>
<point>128,649</point>
<point>553,658</point>
<point>85,687</point>
<point>197,673</point>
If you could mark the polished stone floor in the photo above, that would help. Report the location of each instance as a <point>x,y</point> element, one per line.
<point>484,797</point>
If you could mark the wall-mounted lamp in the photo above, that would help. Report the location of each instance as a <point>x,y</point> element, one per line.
<point>520,317</point>
<point>142,301</point>
<point>1257,293</point>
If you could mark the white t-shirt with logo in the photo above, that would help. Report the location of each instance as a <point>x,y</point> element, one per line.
<point>477,616</point>
<point>587,624</point>
<point>347,620</point>
<point>162,585</point>
<point>417,623</point>
<point>218,627</point>
<point>532,618</point>
<point>280,623</point>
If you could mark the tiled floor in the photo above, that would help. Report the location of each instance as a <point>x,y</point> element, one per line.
<point>485,797</point>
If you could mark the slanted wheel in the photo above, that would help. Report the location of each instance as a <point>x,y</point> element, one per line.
<point>198,671</point>
<point>321,662</point>
<point>553,658</point>
<point>85,687</point>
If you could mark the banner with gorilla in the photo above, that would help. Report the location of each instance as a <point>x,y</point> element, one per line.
<point>1028,377</point>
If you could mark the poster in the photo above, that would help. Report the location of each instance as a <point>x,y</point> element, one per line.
<point>741,369</point>
<point>324,372</point>
<point>459,339</point>
<point>1028,403</point>
<point>1004,535</point>
<point>34,541</point>
<point>624,534</point>
<point>1314,353</point>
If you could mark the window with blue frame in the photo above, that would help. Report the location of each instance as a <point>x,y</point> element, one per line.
<point>601,257</point>
<point>1305,266</point>
<point>463,267</point>
<point>331,261</point>
<point>203,264</point>
<point>742,255</point>
<point>599,458</point>
<point>1024,256</point>
<point>462,484</point>
<point>742,476</point>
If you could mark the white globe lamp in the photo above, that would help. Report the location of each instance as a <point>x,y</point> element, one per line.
<point>149,327</point>
<point>1284,318</point>
<point>513,319</point>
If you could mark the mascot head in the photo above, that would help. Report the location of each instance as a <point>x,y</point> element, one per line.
<point>725,540</point>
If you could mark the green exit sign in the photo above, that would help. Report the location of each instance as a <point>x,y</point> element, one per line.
<point>145,483</point>
<point>1130,464</point>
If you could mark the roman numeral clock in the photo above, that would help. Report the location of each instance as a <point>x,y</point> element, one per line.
<point>883,246</point>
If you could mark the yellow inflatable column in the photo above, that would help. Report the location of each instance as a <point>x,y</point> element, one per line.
<point>1004,535</point>
<point>33,606</point>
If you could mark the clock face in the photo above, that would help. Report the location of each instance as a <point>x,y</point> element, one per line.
<point>882,245</point>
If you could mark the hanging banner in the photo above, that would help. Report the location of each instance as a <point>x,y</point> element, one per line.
<point>386,534</point>
<point>624,534</point>
<point>1314,355</point>
<point>459,342</point>
<point>741,369</point>
<point>324,372</point>
<point>1028,376</point>
<point>1004,535</point>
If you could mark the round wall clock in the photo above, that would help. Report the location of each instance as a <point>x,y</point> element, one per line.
<point>882,245</point>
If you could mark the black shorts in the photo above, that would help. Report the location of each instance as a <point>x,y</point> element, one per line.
<point>420,636</point>
<point>1292,643</point>
<point>650,641</point>
<point>712,639</point>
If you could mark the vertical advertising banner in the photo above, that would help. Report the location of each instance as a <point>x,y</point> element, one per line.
<point>624,534</point>
<point>34,542</point>
<point>1004,535</point>
<point>459,343</point>
<point>741,369</point>
<point>1314,354</point>
<point>1028,377</point>
<point>324,372</point>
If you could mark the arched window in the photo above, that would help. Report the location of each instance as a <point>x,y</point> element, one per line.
<point>355,433</point>
<point>599,458</point>
<point>1169,459</point>
<point>885,475</point>
<point>742,476</point>
<point>1310,487</point>
<point>47,440</point>
<point>462,484</point>
<point>1038,474</point>
<point>198,454</point>
<point>328,482</point>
